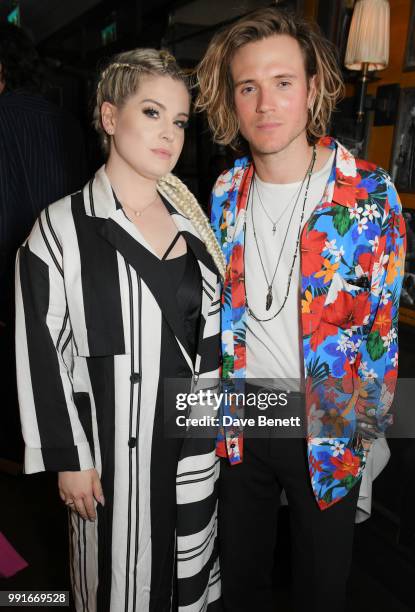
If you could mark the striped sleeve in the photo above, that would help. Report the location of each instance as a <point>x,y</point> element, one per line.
<point>54,437</point>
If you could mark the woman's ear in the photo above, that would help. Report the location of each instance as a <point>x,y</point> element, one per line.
<point>109,117</point>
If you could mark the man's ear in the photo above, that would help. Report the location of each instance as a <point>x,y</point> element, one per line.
<point>109,117</point>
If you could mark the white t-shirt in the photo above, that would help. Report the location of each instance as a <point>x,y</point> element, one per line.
<point>274,348</point>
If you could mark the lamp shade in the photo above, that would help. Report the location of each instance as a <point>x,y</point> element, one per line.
<point>368,41</point>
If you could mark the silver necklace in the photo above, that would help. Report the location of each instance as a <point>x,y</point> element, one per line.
<point>269,297</point>
<point>275,223</point>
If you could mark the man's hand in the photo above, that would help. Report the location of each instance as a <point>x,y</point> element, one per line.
<point>78,490</point>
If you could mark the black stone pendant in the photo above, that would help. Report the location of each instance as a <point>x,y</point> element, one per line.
<point>268,303</point>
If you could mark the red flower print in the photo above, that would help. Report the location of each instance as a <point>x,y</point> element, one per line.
<point>383,321</point>
<point>365,165</point>
<point>240,356</point>
<point>347,311</point>
<point>238,293</point>
<point>347,190</point>
<point>238,280</point>
<point>237,260</point>
<point>365,261</point>
<point>323,505</point>
<point>348,381</point>
<point>311,319</point>
<point>346,464</point>
<point>320,334</point>
<point>330,389</point>
<point>315,465</point>
<point>312,245</point>
<point>325,141</point>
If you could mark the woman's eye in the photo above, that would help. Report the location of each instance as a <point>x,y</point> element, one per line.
<point>151,112</point>
<point>284,84</point>
<point>182,124</point>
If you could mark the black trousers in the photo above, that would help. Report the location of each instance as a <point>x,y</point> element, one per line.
<point>322,540</point>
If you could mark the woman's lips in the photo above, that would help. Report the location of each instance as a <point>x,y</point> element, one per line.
<point>163,153</point>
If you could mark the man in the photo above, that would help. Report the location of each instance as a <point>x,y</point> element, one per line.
<point>42,157</point>
<point>314,242</point>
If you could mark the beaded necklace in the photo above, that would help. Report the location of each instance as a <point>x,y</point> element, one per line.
<point>269,297</point>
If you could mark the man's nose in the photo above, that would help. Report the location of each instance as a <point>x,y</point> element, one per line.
<point>265,100</point>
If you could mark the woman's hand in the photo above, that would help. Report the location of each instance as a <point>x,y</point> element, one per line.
<point>78,490</point>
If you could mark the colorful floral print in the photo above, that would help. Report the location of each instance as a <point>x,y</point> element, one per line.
<point>356,233</point>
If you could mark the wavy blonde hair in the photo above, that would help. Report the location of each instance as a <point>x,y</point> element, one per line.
<point>216,90</point>
<point>121,79</point>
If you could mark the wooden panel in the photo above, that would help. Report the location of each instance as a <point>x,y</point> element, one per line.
<point>407,315</point>
<point>310,9</point>
<point>408,200</point>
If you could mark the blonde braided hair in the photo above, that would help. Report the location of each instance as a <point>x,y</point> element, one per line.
<point>186,203</point>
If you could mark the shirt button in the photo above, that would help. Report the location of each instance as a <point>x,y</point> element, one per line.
<point>135,377</point>
<point>132,442</point>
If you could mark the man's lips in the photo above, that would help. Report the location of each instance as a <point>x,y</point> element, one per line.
<point>163,153</point>
<point>269,125</point>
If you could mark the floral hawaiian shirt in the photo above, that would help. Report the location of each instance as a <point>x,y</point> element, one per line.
<point>352,265</point>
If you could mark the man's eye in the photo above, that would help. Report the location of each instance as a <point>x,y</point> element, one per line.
<point>247,90</point>
<point>151,112</point>
<point>284,84</point>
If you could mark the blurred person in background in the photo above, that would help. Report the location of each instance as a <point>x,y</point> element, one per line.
<point>42,157</point>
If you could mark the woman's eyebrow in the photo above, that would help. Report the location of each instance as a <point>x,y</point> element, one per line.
<point>154,102</point>
<point>162,106</point>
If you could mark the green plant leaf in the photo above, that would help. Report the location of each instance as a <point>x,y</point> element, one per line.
<point>227,365</point>
<point>342,221</point>
<point>375,346</point>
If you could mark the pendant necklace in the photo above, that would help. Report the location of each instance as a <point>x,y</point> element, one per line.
<point>138,213</point>
<point>275,223</point>
<point>269,297</point>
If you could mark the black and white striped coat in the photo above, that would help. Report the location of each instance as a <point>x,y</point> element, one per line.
<point>89,311</point>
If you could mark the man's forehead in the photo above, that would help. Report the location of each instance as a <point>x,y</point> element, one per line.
<point>275,55</point>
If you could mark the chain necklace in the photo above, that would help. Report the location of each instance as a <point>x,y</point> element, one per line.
<point>269,296</point>
<point>275,223</point>
<point>138,213</point>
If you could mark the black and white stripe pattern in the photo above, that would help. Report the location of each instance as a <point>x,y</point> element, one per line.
<point>90,315</point>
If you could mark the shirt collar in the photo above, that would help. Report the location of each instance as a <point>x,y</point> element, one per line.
<point>344,177</point>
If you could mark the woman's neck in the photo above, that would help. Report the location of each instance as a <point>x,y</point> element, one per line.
<point>132,189</point>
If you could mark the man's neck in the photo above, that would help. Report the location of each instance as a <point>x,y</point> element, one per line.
<point>290,164</point>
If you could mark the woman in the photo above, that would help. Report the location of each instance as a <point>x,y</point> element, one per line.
<point>117,291</point>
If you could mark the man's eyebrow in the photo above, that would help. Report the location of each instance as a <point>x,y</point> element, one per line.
<point>244,82</point>
<point>162,106</point>
<point>276,76</point>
